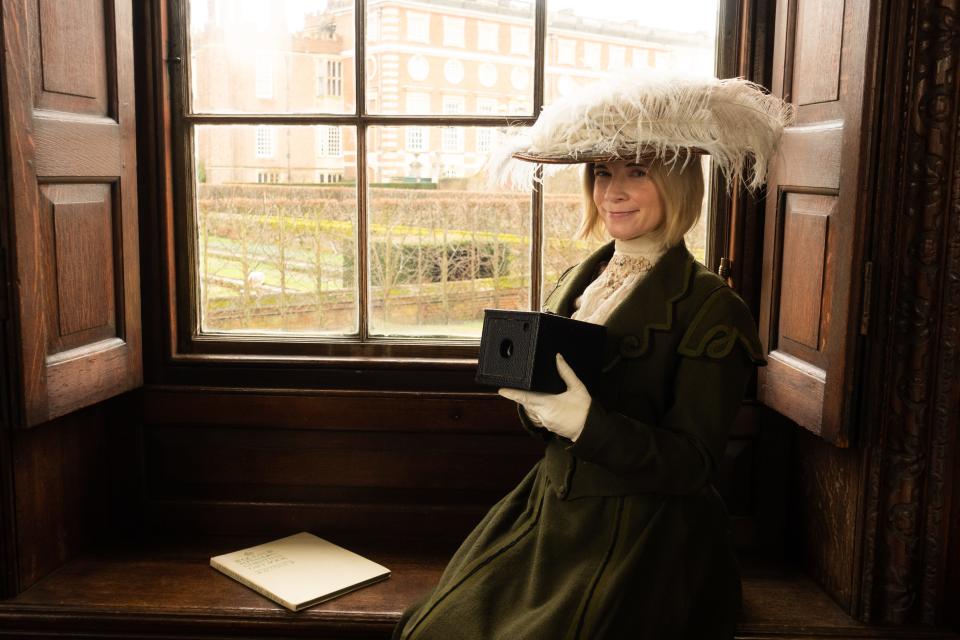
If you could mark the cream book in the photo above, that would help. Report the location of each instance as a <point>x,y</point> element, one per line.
<point>300,570</point>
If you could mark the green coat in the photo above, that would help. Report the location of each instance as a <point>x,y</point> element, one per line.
<point>620,534</point>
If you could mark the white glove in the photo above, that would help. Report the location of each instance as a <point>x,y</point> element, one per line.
<point>563,413</point>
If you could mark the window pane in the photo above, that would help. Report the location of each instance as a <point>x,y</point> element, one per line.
<point>432,51</point>
<point>562,208</point>
<point>443,246</point>
<point>588,40</point>
<point>272,56</point>
<point>276,226</point>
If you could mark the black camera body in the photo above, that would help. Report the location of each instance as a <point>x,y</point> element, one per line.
<point>518,350</point>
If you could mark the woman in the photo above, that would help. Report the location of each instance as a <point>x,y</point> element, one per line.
<point>617,531</point>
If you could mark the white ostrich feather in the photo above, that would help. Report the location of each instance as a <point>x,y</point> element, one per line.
<point>667,118</point>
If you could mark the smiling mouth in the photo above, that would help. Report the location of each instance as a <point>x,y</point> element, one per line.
<point>621,213</point>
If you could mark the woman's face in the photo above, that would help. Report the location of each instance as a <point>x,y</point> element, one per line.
<point>626,198</point>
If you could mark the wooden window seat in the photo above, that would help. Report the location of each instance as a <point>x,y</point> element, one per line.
<point>170,591</point>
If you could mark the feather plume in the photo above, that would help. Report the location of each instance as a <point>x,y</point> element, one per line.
<point>634,116</point>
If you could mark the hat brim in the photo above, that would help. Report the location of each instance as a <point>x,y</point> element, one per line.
<point>609,157</point>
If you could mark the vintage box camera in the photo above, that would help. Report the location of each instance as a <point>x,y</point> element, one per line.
<point>518,348</point>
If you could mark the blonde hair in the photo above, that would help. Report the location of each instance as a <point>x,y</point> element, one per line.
<point>680,188</point>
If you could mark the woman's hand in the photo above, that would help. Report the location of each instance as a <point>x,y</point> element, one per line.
<point>563,413</point>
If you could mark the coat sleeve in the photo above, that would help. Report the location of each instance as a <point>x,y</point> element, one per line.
<point>717,356</point>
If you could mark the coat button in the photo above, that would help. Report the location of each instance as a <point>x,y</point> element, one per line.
<point>630,346</point>
<point>563,490</point>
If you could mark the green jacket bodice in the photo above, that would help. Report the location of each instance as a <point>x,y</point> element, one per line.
<point>679,352</point>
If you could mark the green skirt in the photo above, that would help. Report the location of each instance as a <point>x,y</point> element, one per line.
<point>541,565</point>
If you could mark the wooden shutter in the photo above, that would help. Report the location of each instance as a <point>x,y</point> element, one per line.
<point>71,151</point>
<point>812,255</point>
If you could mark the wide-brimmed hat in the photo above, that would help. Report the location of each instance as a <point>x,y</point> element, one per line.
<point>643,117</point>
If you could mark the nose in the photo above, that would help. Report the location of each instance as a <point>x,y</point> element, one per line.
<point>615,191</point>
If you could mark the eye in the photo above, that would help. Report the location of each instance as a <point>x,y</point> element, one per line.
<point>600,172</point>
<point>638,172</point>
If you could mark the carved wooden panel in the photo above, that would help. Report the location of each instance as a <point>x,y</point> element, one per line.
<point>812,262</point>
<point>72,158</point>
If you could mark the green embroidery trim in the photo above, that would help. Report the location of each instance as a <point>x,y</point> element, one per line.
<point>718,341</point>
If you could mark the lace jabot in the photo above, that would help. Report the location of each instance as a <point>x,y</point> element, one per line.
<point>631,261</point>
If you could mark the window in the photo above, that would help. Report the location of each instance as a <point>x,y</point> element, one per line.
<point>329,142</point>
<point>329,78</point>
<point>591,55</point>
<point>452,105</point>
<point>416,139</point>
<point>519,40</point>
<point>484,140</point>
<point>407,268</point>
<point>264,142</point>
<point>264,77</point>
<point>566,51</point>
<point>418,27</point>
<point>453,32</point>
<point>487,106</point>
<point>615,57</point>
<point>452,139</point>
<point>488,36</point>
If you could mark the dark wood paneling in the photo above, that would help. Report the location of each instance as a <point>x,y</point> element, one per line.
<point>821,61</point>
<point>70,122</point>
<point>804,254</point>
<point>71,56</point>
<point>824,521</point>
<point>61,484</point>
<point>817,51</point>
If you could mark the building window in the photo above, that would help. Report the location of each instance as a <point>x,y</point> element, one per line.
<point>264,142</point>
<point>264,77</point>
<point>484,140</point>
<point>452,140</point>
<point>418,26</point>
<point>453,31</point>
<point>329,78</point>
<point>487,106</point>
<point>488,36</point>
<point>416,139</point>
<point>616,57</point>
<point>591,55</point>
<point>566,51</point>
<point>519,41</point>
<point>418,104</point>
<point>329,142</point>
<point>453,105</point>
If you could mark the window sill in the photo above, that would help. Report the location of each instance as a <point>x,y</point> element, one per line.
<point>169,590</point>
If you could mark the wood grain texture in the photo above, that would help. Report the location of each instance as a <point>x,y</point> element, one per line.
<point>60,478</point>
<point>58,133</point>
<point>825,152</point>
<point>71,47</point>
<point>170,590</point>
<point>795,389</point>
<point>804,257</point>
<point>817,50</point>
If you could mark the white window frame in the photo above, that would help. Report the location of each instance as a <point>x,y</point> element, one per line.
<point>418,26</point>
<point>263,82</point>
<point>265,140</point>
<point>566,51</point>
<point>488,36</point>
<point>519,41</point>
<point>454,30</point>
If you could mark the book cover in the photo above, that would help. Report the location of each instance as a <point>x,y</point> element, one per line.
<point>300,570</point>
